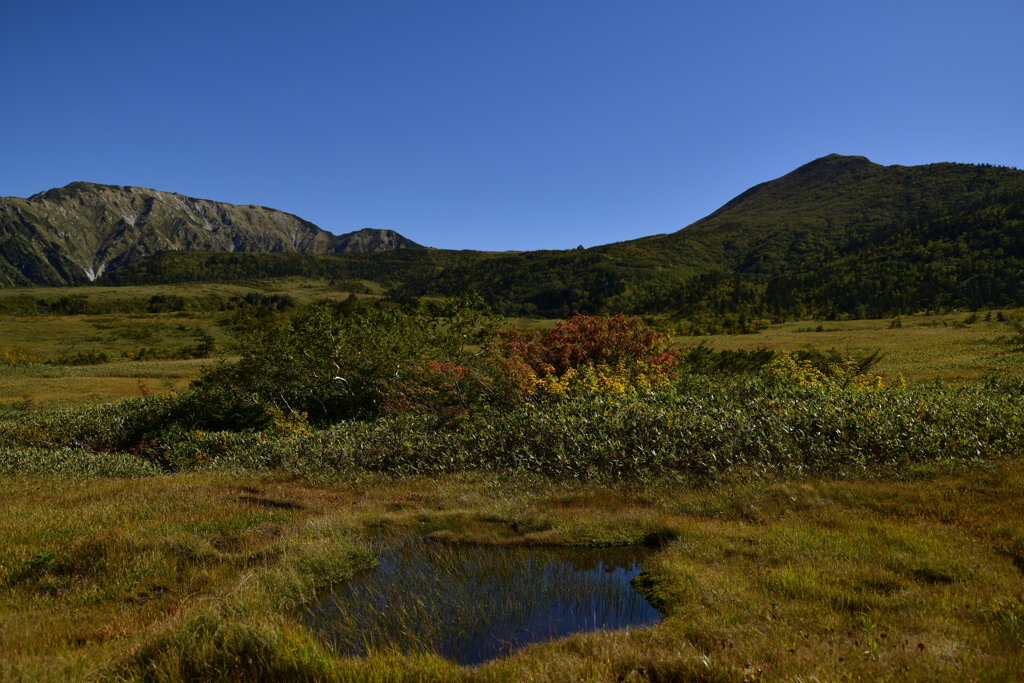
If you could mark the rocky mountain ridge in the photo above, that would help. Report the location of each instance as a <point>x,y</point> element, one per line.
<point>80,231</point>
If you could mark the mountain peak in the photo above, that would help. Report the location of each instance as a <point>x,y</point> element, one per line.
<point>373,239</point>
<point>70,191</point>
<point>830,165</point>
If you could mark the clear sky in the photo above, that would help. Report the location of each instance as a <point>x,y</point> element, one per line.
<point>481,124</point>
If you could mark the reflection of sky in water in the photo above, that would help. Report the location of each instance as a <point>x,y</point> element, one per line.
<point>474,603</point>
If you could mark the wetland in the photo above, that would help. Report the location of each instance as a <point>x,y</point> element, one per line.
<point>473,603</point>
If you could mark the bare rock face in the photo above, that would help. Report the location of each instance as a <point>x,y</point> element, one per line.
<point>80,231</point>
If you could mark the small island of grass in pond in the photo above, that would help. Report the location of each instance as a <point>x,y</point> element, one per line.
<point>473,603</point>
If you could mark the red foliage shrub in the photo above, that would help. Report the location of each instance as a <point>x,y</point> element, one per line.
<point>586,340</point>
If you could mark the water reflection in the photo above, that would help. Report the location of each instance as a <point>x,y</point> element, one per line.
<point>474,603</point>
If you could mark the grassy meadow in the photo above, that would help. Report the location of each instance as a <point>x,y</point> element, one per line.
<point>125,329</point>
<point>925,348</point>
<point>802,532</point>
<point>197,576</point>
<point>922,348</point>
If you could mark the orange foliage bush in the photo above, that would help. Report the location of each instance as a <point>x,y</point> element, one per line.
<point>622,342</point>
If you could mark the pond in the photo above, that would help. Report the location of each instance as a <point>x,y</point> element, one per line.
<point>475,603</point>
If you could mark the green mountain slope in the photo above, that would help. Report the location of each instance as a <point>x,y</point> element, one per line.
<point>78,232</point>
<point>969,259</point>
<point>809,229</point>
<point>825,202</point>
<point>392,268</point>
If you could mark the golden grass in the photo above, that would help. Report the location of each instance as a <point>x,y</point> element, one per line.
<point>53,336</point>
<point>193,576</point>
<point>49,385</point>
<point>924,348</point>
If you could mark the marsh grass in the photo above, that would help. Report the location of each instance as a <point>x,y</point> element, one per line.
<point>119,332</point>
<point>801,535</point>
<point>54,386</point>
<point>185,577</point>
<point>89,564</point>
<point>53,337</point>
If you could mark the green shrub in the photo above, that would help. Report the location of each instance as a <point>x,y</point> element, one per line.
<point>334,364</point>
<point>704,360</point>
<point>81,358</point>
<point>698,429</point>
<point>35,461</point>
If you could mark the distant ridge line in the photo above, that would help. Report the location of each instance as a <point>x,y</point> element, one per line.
<point>78,232</point>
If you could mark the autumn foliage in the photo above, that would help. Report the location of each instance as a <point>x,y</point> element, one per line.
<point>587,340</point>
<point>584,345</point>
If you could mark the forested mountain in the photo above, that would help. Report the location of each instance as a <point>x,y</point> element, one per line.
<point>80,231</point>
<point>393,268</point>
<point>838,236</point>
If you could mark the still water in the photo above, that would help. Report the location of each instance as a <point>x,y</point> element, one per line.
<point>475,603</point>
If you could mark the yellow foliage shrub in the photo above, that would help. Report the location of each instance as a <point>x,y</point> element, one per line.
<point>12,356</point>
<point>787,370</point>
<point>637,378</point>
<point>289,424</point>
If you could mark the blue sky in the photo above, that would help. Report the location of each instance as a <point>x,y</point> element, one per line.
<point>498,125</point>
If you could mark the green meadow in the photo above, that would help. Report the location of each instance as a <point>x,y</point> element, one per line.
<point>810,522</point>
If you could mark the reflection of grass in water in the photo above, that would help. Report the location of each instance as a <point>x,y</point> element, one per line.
<point>474,603</point>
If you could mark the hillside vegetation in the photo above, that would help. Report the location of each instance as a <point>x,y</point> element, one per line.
<point>389,268</point>
<point>840,236</point>
<point>812,512</point>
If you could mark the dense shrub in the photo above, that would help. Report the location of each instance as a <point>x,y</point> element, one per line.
<point>419,391</point>
<point>335,363</point>
<point>586,340</point>
<point>72,462</point>
<point>583,354</point>
<point>700,429</point>
<point>704,360</point>
<point>116,426</point>
<point>81,358</point>
<point>697,428</point>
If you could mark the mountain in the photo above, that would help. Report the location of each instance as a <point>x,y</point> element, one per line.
<point>81,231</point>
<point>821,204</point>
<point>839,235</point>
